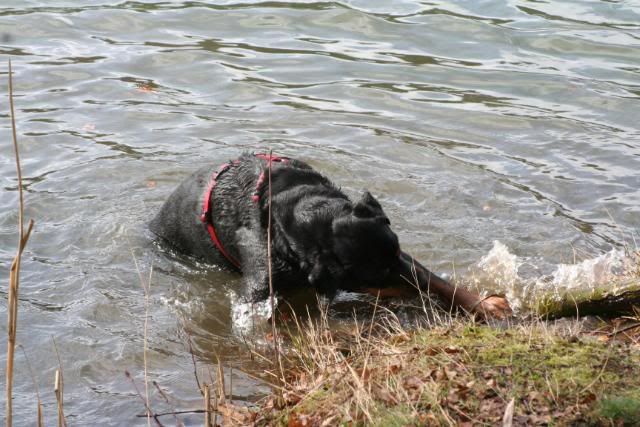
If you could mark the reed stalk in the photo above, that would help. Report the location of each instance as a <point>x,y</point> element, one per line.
<point>40,419</point>
<point>146,288</point>
<point>207,405</point>
<point>220,383</point>
<point>14,272</point>
<point>274,329</point>
<point>144,401</point>
<point>58,388</point>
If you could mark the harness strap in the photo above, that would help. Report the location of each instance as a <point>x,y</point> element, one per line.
<point>206,216</point>
<point>269,158</point>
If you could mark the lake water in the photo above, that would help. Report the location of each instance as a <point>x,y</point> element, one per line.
<point>502,138</point>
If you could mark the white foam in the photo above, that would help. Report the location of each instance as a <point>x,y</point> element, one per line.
<point>246,316</point>
<point>605,269</point>
<point>500,267</point>
<point>500,270</point>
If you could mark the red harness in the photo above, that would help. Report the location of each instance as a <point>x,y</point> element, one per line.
<point>206,216</point>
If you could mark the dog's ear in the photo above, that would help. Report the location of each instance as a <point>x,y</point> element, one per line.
<point>369,207</point>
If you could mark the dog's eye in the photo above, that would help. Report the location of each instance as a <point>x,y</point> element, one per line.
<point>383,219</point>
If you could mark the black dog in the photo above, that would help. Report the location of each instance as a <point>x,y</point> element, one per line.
<point>320,238</point>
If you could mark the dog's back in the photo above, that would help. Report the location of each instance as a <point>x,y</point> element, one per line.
<point>178,223</point>
<point>235,195</point>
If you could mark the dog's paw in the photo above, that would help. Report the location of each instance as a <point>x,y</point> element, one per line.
<point>493,307</point>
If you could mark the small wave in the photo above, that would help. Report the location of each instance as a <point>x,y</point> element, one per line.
<point>590,273</point>
<point>499,270</point>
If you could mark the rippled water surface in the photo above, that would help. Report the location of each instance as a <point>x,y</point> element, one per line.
<point>473,122</point>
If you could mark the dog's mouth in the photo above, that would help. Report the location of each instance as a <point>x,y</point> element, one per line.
<point>376,276</point>
<point>401,278</point>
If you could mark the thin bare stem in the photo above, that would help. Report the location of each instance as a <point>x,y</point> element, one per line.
<point>220,375</point>
<point>40,421</point>
<point>146,287</point>
<point>207,405</point>
<point>135,386</point>
<point>14,273</point>
<point>274,330</point>
<point>17,153</point>
<point>174,413</point>
<point>368,352</point>
<point>59,387</point>
<point>166,399</point>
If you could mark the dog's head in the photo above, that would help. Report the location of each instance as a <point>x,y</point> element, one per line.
<point>364,244</point>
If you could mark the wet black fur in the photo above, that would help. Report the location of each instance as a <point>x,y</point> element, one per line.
<point>321,239</point>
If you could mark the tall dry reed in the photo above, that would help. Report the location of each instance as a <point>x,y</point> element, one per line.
<point>14,273</point>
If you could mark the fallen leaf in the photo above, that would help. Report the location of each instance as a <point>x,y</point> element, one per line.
<point>452,349</point>
<point>450,373</point>
<point>394,366</point>
<point>430,351</point>
<point>384,395</point>
<point>413,382</point>
<point>302,420</point>
<point>236,415</point>
<point>291,398</point>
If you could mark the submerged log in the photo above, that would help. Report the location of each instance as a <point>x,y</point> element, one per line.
<point>623,299</point>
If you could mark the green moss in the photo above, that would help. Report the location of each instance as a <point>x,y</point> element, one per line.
<point>475,370</point>
<point>399,415</point>
<point>314,401</point>
<point>621,410</point>
<point>574,301</point>
<point>522,363</point>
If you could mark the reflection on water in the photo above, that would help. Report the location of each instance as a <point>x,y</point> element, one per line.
<point>472,122</point>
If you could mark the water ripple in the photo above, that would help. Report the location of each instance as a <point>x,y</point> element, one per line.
<point>472,122</point>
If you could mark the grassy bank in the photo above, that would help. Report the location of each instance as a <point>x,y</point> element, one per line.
<point>460,373</point>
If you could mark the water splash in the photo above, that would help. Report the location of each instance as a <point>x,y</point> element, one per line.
<point>247,316</point>
<point>500,270</point>
<point>604,269</point>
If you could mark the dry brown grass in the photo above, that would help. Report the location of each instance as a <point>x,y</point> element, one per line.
<point>456,373</point>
